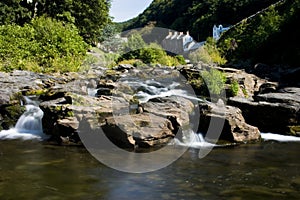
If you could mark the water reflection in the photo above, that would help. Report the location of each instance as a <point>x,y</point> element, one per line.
<point>31,170</point>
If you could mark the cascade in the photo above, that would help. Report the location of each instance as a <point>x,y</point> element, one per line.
<point>28,126</point>
<point>194,140</point>
<point>31,120</point>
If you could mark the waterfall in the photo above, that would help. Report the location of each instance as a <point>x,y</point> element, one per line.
<point>31,120</point>
<point>194,140</point>
<point>28,126</point>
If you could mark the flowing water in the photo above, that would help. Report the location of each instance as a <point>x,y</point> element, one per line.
<point>30,169</point>
<point>28,126</point>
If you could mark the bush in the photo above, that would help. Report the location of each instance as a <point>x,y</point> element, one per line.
<point>153,53</point>
<point>17,49</point>
<point>208,53</point>
<point>215,81</point>
<point>44,45</point>
<point>234,88</point>
<point>133,62</point>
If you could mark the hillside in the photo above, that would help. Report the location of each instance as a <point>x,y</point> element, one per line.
<point>197,16</point>
<point>264,31</point>
<point>271,36</point>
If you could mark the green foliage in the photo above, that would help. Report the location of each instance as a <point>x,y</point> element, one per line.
<point>245,92</point>
<point>133,62</point>
<point>208,53</point>
<point>45,45</point>
<point>135,42</point>
<point>214,80</point>
<point>234,88</point>
<point>110,39</point>
<point>180,59</point>
<point>101,58</point>
<point>197,16</point>
<point>14,11</point>
<point>271,36</point>
<point>200,55</point>
<point>90,17</point>
<point>137,49</point>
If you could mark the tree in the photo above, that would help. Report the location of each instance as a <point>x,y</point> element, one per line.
<point>14,11</point>
<point>90,17</point>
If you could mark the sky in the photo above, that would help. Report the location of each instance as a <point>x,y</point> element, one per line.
<point>123,10</point>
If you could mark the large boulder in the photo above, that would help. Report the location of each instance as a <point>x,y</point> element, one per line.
<point>234,129</point>
<point>142,130</point>
<point>158,121</point>
<point>272,112</point>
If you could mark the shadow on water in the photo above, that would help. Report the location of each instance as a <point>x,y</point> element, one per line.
<point>31,170</point>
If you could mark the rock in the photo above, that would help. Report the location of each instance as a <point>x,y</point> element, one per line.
<point>142,130</point>
<point>268,87</point>
<point>176,109</point>
<point>272,112</point>
<point>61,118</point>
<point>4,98</point>
<point>249,83</point>
<point>154,127</point>
<point>104,91</point>
<point>123,67</point>
<point>235,129</point>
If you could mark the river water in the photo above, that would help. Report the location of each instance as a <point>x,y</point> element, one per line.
<point>34,170</point>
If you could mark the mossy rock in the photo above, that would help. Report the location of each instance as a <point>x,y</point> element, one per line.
<point>51,95</point>
<point>295,130</point>
<point>10,115</point>
<point>35,92</point>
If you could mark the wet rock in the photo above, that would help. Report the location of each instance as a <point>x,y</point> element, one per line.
<point>176,109</point>
<point>272,112</point>
<point>142,130</point>
<point>159,122</point>
<point>268,87</point>
<point>104,91</point>
<point>65,131</point>
<point>235,129</point>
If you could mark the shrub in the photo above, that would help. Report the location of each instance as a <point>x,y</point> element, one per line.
<point>148,54</point>
<point>18,48</point>
<point>44,45</point>
<point>234,88</point>
<point>208,53</point>
<point>215,80</point>
<point>133,62</point>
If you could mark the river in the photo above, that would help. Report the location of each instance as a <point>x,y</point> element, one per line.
<point>35,170</point>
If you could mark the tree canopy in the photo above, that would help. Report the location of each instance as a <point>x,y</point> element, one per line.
<point>90,17</point>
<point>271,36</point>
<point>196,16</point>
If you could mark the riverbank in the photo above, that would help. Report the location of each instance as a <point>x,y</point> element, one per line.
<point>148,107</point>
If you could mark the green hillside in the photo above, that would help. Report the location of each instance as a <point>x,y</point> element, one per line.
<point>197,16</point>
<point>271,36</point>
<point>263,30</point>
